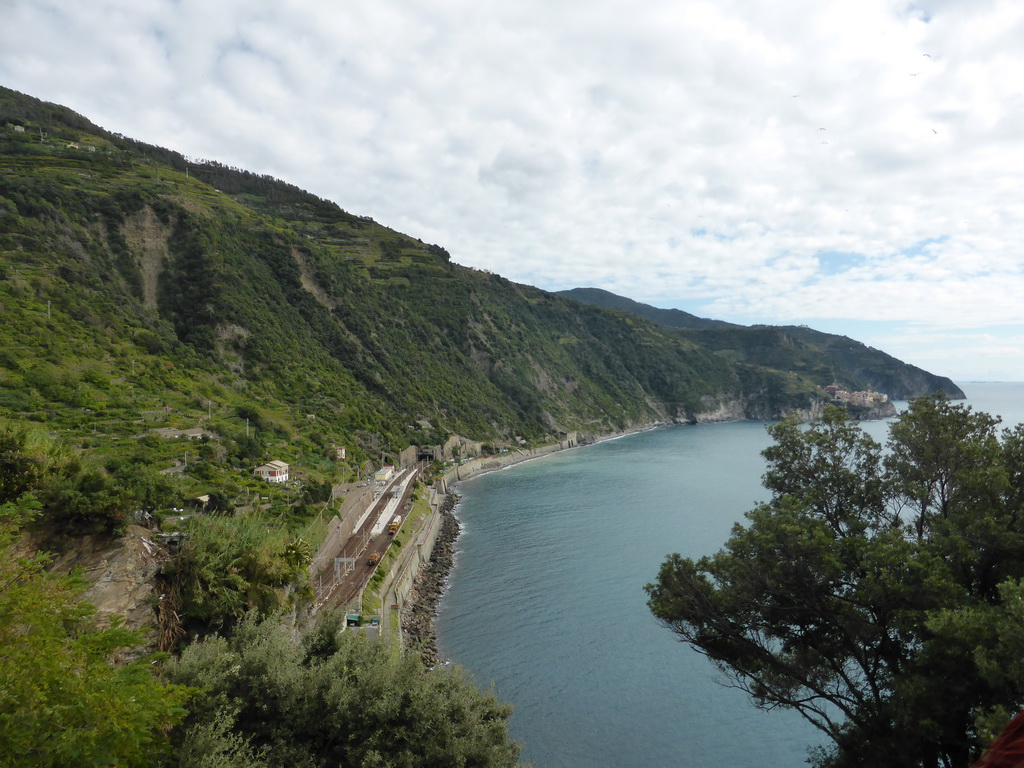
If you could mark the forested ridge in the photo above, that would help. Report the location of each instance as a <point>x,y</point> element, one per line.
<point>824,358</point>
<point>169,324</point>
<point>135,278</point>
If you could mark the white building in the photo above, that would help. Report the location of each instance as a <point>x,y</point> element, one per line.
<point>272,472</point>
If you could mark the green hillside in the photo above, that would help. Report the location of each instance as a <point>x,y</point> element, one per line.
<point>823,358</point>
<point>168,326</point>
<point>141,291</point>
<point>671,318</point>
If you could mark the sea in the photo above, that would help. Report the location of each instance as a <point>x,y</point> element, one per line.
<point>546,601</point>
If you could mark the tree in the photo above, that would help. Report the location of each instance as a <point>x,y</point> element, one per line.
<point>62,701</point>
<point>20,471</point>
<point>847,596</point>
<point>230,565</point>
<point>944,461</point>
<point>220,502</point>
<point>74,498</point>
<point>31,460</point>
<point>332,699</point>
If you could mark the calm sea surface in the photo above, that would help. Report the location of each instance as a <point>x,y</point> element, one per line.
<point>546,600</point>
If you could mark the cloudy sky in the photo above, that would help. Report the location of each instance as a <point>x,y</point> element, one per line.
<point>855,166</point>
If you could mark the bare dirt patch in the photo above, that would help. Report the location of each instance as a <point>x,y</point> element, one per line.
<point>147,238</point>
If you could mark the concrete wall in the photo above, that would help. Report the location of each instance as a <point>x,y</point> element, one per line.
<point>398,582</point>
<point>340,529</point>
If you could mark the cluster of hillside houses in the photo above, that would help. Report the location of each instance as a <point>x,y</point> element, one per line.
<point>870,397</point>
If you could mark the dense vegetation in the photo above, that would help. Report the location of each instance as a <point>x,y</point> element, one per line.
<point>62,701</point>
<point>169,324</point>
<point>271,689</point>
<point>877,593</point>
<point>143,290</point>
<point>824,358</point>
<point>271,697</point>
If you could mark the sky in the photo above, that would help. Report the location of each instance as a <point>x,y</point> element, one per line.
<point>853,166</point>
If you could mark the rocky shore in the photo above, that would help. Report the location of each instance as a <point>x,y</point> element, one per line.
<point>428,587</point>
<point>420,609</point>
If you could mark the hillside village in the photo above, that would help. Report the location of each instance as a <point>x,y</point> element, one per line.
<point>865,398</point>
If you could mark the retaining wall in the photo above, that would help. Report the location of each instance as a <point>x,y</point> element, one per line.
<point>340,529</point>
<point>398,582</point>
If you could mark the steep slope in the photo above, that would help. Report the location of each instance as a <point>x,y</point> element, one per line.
<point>869,367</point>
<point>137,284</point>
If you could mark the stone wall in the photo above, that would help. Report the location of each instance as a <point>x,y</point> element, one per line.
<point>400,578</point>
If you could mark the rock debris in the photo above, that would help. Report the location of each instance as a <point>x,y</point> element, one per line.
<point>421,608</point>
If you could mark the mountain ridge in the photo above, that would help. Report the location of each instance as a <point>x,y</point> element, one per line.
<point>144,289</point>
<point>857,365</point>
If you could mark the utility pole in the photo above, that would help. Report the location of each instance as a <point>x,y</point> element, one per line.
<point>48,315</point>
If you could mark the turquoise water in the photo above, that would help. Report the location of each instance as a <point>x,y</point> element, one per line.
<point>546,600</point>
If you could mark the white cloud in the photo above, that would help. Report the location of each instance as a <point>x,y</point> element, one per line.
<point>669,151</point>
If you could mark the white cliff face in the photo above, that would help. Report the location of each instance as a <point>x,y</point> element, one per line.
<point>815,411</point>
<point>725,410</point>
<point>738,410</point>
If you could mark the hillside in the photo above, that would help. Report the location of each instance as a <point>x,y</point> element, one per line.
<point>144,291</point>
<point>671,318</point>
<point>823,358</point>
<point>168,326</point>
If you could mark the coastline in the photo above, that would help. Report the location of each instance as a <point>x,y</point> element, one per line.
<point>431,582</point>
<point>483,464</point>
<point>417,618</point>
